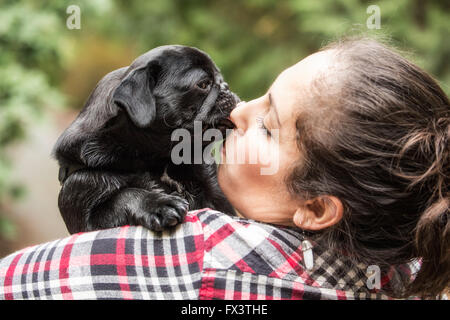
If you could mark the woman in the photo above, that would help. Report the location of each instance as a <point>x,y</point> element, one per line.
<point>361,140</point>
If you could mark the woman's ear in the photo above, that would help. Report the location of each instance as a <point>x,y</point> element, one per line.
<point>319,213</point>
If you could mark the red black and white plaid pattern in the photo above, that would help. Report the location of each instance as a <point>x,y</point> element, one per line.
<point>209,256</point>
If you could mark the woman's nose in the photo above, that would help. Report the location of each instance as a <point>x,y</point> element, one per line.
<point>239,115</point>
<point>245,112</point>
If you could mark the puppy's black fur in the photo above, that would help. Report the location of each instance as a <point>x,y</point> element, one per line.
<point>115,165</point>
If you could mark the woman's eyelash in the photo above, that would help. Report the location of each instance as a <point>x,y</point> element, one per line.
<point>260,123</point>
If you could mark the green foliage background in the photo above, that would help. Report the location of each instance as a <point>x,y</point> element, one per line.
<point>44,65</point>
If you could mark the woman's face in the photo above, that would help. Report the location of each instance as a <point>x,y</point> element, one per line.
<point>254,164</point>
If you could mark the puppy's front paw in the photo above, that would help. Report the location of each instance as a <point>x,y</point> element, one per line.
<point>163,211</point>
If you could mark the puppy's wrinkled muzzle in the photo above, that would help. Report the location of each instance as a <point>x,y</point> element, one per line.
<point>225,103</point>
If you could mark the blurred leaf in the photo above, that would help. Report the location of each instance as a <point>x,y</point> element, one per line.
<point>30,61</point>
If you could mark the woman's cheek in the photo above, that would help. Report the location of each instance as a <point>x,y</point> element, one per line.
<point>239,150</point>
<point>265,153</point>
<point>253,154</point>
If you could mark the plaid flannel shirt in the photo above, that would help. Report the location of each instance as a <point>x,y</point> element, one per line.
<point>209,256</point>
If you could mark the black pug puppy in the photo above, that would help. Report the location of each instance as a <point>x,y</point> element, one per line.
<point>115,158</point>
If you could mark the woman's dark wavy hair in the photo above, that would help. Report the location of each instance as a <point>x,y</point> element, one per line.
<point>378,139</point>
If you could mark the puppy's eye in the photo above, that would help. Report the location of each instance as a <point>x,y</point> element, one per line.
<point>204,84</point>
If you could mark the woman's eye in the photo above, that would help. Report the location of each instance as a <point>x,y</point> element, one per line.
<point>204,84</point>
<point>260,123</point>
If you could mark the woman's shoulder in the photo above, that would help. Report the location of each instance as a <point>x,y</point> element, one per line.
<point>217,227</point>
<point>243,245</point>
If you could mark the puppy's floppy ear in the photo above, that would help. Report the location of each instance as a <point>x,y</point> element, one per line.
<point>135,95</point>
